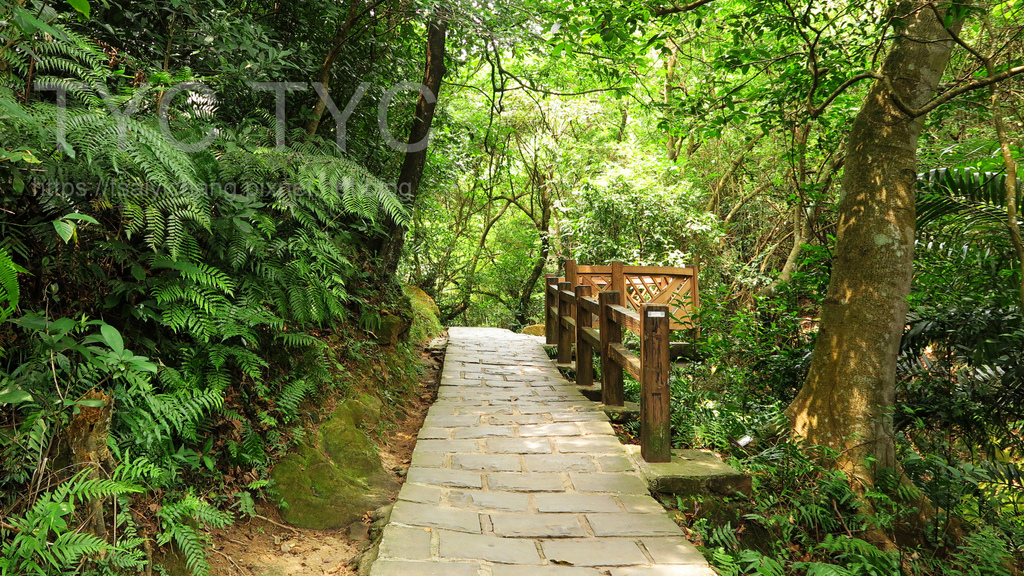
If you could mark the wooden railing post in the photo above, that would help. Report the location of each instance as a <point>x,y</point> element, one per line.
<point>570,271</point>
<point>619,282</point>
<point>611,331</point>
<point>550,321</point>
<point>695,301</point>
<point>564,334</point>
<point>571,278</point>
<point>655,421</point>
<point>584,352</point>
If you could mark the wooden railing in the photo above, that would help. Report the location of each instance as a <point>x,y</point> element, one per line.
<point>571,312</point>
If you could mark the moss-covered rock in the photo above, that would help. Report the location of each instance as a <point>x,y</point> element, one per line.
<point>426,323</point>
<point>393,329</point>
<point>534,330</point>
<point>335,477</point>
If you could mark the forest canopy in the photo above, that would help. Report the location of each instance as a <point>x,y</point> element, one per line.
<point>209,209</point>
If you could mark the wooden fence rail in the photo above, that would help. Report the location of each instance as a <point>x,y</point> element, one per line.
<point>571,312</point>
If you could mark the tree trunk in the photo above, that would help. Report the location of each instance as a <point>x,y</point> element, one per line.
<point>416,157</point>
<point>1012,210</point>
<point>522,312</point>
<point>672,144</point>
<point>847,399</point>
<point>323,75</point>
<point>87,435</point>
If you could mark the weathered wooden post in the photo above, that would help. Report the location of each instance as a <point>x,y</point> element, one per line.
<point>550,326</point>
<point>655,420</point>
<point>611,332</point>
<point>619,282</point>
<point>695,301</point>
<point>564,334</point>
<point>571,277</point>
<point>584,352</point>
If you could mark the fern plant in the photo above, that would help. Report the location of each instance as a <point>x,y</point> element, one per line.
<point>46,539</point>
<point>9,291</point>
<point>181,522</point>
<point>216,272</point>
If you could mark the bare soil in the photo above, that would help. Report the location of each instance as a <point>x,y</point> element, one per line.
<point>266,546</point>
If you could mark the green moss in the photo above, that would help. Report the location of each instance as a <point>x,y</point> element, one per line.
<point>392,330</point>
<point>426,323</point>
<point>335,477</point>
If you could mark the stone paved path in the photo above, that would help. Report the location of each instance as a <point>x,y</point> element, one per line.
<point>515,473</point>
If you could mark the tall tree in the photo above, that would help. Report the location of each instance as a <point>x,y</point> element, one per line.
<point>416,157</point>
<point>847,398</point>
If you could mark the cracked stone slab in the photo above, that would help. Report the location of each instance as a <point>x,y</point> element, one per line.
<point>589,444</point>
<point>622,482</point>
<point>554,429</point>
<point>626,524</point>
<point>484,432</point>
<point>560,463</point>
<point>525,482</point>
<point>640,504</point>
<point>518,446</point>
<point>446,477</point>
<point>579,416</point>
<point>413,492</point>
<point>424,459</point>
<point>487,500</point>
<point>487,462</point>
<point>407,568</point>
<point>594,552</point>
<point>508,570</point>
<point>405,543</point>
<point>434,434</point>
<point>489,548</point>
<point>691,570</point>
<point>451,420</point>
<point>428,516</point>
<point>672,551</point>
<point>560,502</point>
<point>447,446</point>
<point>538,525</point>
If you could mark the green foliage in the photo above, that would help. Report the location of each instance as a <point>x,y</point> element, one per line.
<point>983,553</point>
<point>9,291</point>
<point>180,521</point>
<point>964,199</point>
<point>638,211</point>
<point>217,274</point>
<point>45,540</point>
<point>964,374</point>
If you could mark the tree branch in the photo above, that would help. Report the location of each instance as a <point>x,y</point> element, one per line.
<point>6,526</point>
<point>676,8</point>
<point>947,96</point>
<point>818,110</point>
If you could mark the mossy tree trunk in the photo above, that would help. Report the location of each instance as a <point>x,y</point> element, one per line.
<point>847,399</point>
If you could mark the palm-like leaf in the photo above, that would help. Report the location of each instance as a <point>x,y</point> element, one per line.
<point>964,198</point>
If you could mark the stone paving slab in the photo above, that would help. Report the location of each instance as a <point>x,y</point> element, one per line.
<point>594,552</point>
<point>516,473</point>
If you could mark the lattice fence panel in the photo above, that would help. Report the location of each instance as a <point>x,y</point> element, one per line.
<point>673,290</point>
